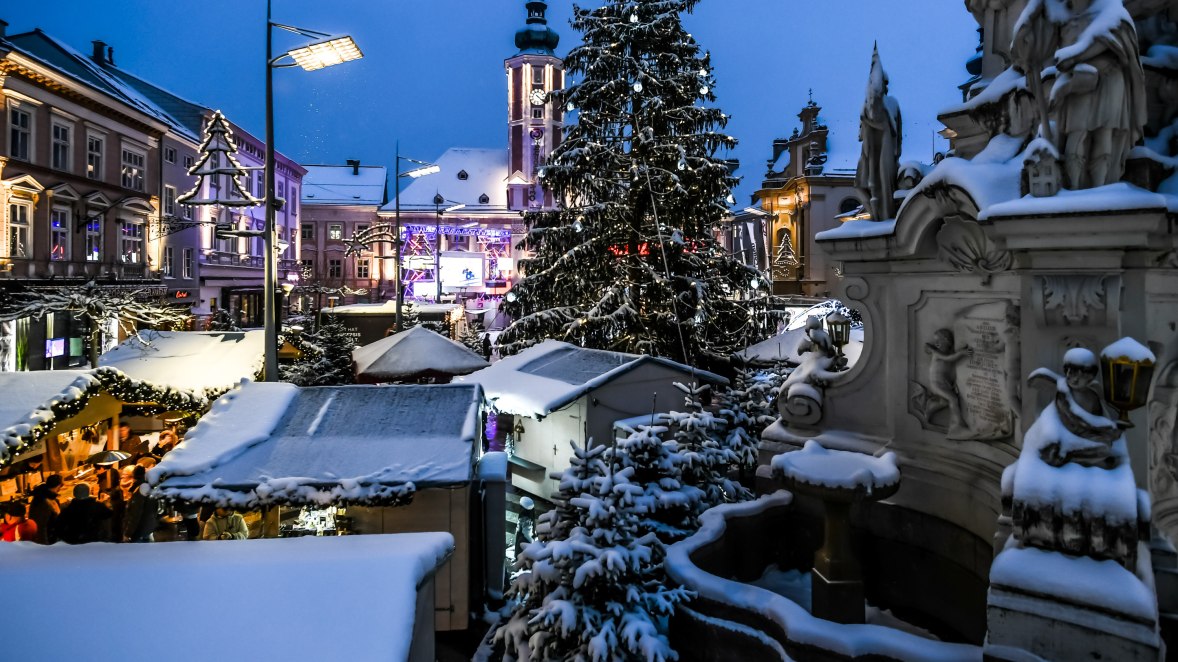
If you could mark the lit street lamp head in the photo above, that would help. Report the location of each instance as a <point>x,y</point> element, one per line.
<point>326,53</point>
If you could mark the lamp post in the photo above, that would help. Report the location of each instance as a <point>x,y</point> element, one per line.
<point>423,168</point>
<point>327,52</point>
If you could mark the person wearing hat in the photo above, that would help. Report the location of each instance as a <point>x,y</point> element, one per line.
<point>15,526</point>
<point>45,508</point>
<point>84,519</point>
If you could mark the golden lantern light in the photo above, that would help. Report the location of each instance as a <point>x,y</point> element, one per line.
<point>839,327</point>
<point>1126,369</point>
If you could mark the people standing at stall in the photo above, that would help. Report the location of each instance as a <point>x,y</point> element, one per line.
<point>84,520</point>
<point>16,526</point>
<point>167,442</point>
<point>225,525</point>
<point>45,508</point>
<point>130,442</point>
<point>142,516</point>
<point>114,499</point>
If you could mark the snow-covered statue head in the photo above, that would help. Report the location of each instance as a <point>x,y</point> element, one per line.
<point>1084,434</point>
<point>1082,64</point>
<point>880,132</point>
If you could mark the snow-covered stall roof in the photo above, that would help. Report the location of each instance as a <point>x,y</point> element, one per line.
<point>783,347</point>
<point>485,174</point>
<point>207,362</point>
<point>355,597</point>
<point>32,403</point>
<point>412,354</point>
<point>344,185</point>
<point>390,308</point>
<point>547,376</point>
<point>268,443</point>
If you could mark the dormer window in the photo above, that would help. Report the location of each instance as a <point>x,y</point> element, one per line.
<point>438,199</point>
<point>484,199</point>
<point>462,175</point>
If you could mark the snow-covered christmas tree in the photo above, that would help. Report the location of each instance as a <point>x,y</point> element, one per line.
<point>592,584</point>
<point>629,261</point>
<point>326,357</point>
<point>215,158</point>
<point>703,443</point>
<point>748,408</point>
<point>665,505</point>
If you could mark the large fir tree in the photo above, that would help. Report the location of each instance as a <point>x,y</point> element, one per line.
<point>629,261</point>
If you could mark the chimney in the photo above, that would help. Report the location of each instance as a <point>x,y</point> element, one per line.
<point>3,28</point>
<point>110,55</point>
<point>99,52</point>
<point>355,163</point>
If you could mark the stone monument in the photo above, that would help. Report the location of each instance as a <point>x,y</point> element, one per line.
<point>881,132</point>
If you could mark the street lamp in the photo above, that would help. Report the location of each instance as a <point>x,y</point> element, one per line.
<point>423,168</point>
<point>330,51</point>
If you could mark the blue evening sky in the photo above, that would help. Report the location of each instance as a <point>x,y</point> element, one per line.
<point>432,75</point>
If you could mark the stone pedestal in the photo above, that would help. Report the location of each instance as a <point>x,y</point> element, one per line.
<point>836,585</point>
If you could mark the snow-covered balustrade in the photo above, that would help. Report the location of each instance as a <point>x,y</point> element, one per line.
<point>734,545</point>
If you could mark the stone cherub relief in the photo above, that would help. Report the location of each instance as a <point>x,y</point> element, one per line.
<point>1095,109</point>
<point>1078,407</point>
<point>880,131</point>
<point>942,376</point>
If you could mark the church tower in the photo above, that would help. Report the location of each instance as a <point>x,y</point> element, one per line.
<point>534,122</point>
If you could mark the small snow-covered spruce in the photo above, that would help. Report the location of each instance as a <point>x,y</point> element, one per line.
<point>471,339</point>
<point>666,505</point>
<point>707,456</point>
<point>747,407</point>
<point>98,306</point>
<point>326,357</point>
<point>628,261</point>
<point>591,587</point>
<point>221,320</point>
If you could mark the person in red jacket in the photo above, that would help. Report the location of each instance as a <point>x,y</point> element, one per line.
<point>15,526</point>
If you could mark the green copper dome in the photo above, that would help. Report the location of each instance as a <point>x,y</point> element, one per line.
<point>537,37</point>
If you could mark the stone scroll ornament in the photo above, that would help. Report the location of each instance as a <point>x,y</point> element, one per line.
<point>1082,63</point>
<point>800,401</point>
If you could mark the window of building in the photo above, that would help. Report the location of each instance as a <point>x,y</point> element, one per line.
<point>362,268</point>
<point>335,268</point>
<point>537,112</point>
<point>462,175</point>
<point>537,75</point>
<point>214,180</point>
<point>94,145</point>
<point>294,201</point>
<point>170,200</point>
<point>260,184</point>
<point>188,161</point>
<point>308,266</point>
<point>361,228</point>
<point>170,154</point>
<point>186,212</point>
<point>59,234</point>
<point>849,205</point>
<point>20,135</point>
<point>484,199</point>
<point>307,231</point>
<point>166,267</point>
<point>335,231</point>
<point>93,239</point>
<point>131,240</point>
<point>19,214</point>
<point>186,267</point>
<point>59,155</point>
<point>133,169</point>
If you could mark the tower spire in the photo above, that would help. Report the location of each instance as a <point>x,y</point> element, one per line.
<point>536,36</point>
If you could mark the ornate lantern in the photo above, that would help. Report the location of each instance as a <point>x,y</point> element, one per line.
<point>1126,368</point>
<point>839,327</point>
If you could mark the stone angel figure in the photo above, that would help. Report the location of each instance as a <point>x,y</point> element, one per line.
<point>1078,408</point>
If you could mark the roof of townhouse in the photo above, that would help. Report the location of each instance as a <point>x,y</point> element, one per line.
<point>466,175</point>
<point>344,185</point>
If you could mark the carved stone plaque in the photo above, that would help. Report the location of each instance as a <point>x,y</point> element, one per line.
<point>987,380</point>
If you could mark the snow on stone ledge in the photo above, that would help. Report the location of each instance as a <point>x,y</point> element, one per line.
<point>258,409</point>
<point>859,229</point>
<point>1121,196</point>
<point>329,598</point>
<point>816,465</point>
<point>795,621</point>
<point>1075,578</point>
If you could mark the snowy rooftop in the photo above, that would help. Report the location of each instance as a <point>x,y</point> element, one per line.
<point>330,598</point>
<point>485,173</point>
<point>390,308</point>
<point>275,443</point>
<point>197,361</point>
<point>415,352</point>
<point>337,185</point>
<point>545,377</point>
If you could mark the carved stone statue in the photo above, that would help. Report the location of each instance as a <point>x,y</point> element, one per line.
<point>1095,110</point>
<point>880,131</point>
<point>942,377</point>
<point>1077,404</point>
<point>800,401</point>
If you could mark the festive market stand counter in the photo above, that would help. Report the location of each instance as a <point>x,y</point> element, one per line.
<point>353,598</point>
<point>336,459</point>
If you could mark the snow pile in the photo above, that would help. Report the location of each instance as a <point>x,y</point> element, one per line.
<point>329,598</point>
<point>1121,196</point>
<point>858,229</point>
<point>1075,578</point>
<point>208,362</point>
<point>793,618</point>
<point>845,470</point>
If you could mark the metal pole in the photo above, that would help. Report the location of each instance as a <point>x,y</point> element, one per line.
<point>438,256</point>
<point>269,307</point>
<point>397,237</point>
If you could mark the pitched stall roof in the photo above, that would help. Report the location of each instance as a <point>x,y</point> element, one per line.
<point>548,376</point>
<point>369,582</point>
<point>337,185</point>
<point>209,362</point>
<point>485,173</point>
<point>277,444</point>
<point>415,353</point>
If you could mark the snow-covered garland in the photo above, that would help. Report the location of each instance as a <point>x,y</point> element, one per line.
<point>295,492</point>
<point>73,399</point>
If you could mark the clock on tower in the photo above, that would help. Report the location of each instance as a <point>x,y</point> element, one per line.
<point>534,123</point>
